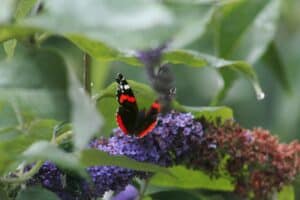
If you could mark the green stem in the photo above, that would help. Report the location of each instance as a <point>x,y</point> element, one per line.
<point>42,37</point>
<point>87,73</point>
<point>143,189</point>
<point>26,176</point>
<point>64,136</point>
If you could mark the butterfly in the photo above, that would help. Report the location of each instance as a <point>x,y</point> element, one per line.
<point>130,119</point>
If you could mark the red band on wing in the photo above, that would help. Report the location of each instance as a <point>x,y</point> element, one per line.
<point>156,106</point>
<point>148,129</point>
<point>128,98</point>
<point>121,124</point>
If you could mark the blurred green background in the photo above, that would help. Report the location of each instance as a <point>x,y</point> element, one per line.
<point>231,32</point>
<point>264,33</point>
<point>278,111</point>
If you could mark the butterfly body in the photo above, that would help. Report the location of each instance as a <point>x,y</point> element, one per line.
<point>130,119</point>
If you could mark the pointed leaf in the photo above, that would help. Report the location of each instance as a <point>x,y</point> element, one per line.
<point>177,195</point>
<point>287,193</point>
<point>192,29</point>
<point>237,18</point>
<point>86,120</point>
<point>9,47</point>
<point>13,141</point>
<point>228,69</point>
<point>23,8</point>
<point>44,150</point>
<point>254,41</point>
<point>3,194</point>
<point>108,21</point>
<point>184,57</point>
<point>93,157</point>
<point>275,64</point>
<point>37,192</point>
<point>190,179</point>
<point>41,90</point>
<point>211,113</point>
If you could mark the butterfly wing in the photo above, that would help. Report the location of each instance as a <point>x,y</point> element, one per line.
<point>128,110</point>
<point>147,121</point>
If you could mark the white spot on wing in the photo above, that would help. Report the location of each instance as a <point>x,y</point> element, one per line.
<point>126,87</point>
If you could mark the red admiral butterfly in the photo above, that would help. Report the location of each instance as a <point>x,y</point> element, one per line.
<point>130,119</point>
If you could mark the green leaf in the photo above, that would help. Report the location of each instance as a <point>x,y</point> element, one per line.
<point>237,19</point>
<point>86,120</point>
<point>193,2</point>
<point>190,179</point>
<point>227,69</point>
<point>95,48</point>
<point>152,189</point>
<point>9,47</point>
<point>194,18</point>
<point>44,150</point>
<point>23,8</point>
<point>176,195</point>
<point>146,198</point>
<point>101,51</point>
<point>184,57</point>
<point>210,113</point>
<point>13,141</point>
<point>3,194</point>
<point>107,21</point>
<point>99,73</point>
<point>41,90</point>
<point>230,73</point>
<point>93,157</point>
<point>287,193</point>
<point>12,31</point>
<point>255,39</point>
<point>275,64</point>
<point>229,78</point>
<point>8,116</point>
<point>37,192</point>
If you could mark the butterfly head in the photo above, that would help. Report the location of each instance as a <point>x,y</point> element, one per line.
<point>120,78</point>
<point>123,86</point>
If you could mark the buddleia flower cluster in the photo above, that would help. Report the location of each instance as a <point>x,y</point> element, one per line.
<point>258,162</point>
<point>170,143</point>
<point>255,159</point>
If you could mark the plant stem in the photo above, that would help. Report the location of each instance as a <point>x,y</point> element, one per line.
<point>87,73</point>
<point>64,136</point>
<point>143,189</point>
<point>25,176</point>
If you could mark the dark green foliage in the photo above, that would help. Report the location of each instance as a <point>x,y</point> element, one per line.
<point>41,71</point>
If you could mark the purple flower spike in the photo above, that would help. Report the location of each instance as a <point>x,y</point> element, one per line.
<point>151,57</point>
<point>173,141</point>
<point>174,134</point>
<point>130,193</point>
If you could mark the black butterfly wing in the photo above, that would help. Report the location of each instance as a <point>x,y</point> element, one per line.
<point>146,121</point>
<point>128,110</point>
